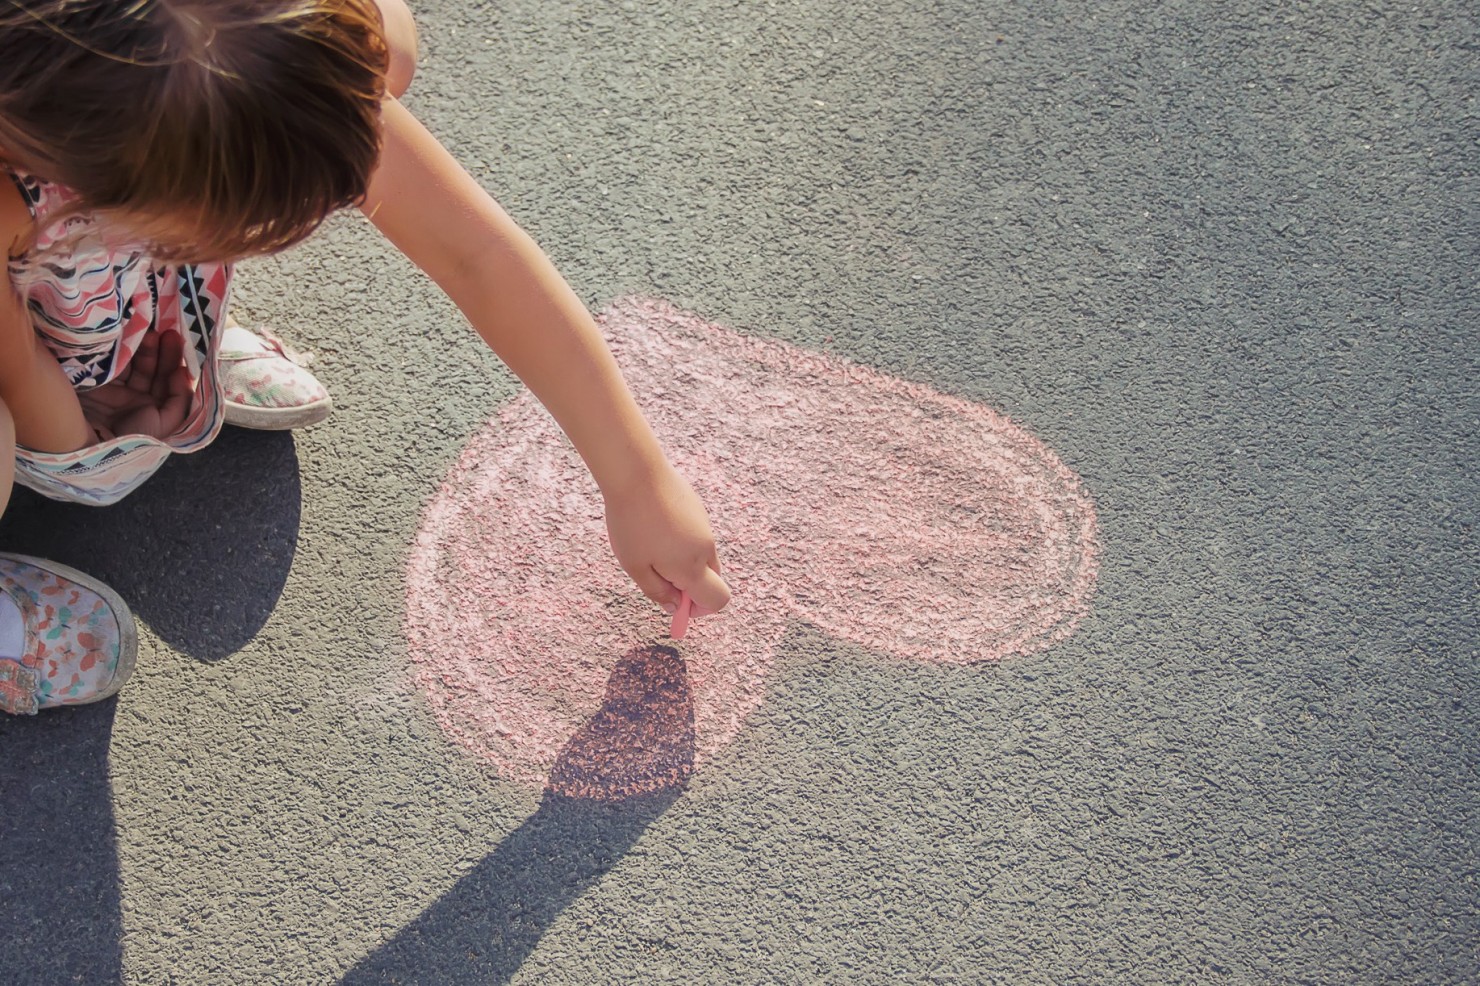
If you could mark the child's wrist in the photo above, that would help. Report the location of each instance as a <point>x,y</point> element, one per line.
<point>635,475</point>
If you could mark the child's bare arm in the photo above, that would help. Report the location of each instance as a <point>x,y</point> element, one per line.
<point>434,211</point>
<point>48,417</point>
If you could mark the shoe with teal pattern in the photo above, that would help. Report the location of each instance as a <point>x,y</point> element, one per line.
<point>65,638</point>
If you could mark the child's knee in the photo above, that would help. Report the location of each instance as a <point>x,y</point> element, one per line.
<point>400,37</point>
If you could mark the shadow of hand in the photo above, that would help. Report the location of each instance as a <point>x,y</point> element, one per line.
<point>615,777</point>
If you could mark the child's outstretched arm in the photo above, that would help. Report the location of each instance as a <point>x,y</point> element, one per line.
<point>436,214</point>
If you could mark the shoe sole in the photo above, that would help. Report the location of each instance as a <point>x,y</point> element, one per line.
<point>128,633</point>
<point>277,418</point>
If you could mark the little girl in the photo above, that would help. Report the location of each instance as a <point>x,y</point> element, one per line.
<point>145,145</point>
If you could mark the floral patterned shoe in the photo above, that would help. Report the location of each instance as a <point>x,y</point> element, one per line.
<point>266,384</point>
<point>65,639</point>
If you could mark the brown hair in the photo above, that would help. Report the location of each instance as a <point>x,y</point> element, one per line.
<point>250,120</point>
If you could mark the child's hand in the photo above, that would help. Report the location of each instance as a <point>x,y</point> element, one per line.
<point>660,534</point>
<point>150,397</point>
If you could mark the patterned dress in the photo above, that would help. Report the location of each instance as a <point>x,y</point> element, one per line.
<point>92,302</point>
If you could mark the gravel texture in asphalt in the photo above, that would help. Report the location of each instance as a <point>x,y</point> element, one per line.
<point>1220,258</point>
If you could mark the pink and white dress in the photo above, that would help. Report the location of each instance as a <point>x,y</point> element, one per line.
<point>92,301</point>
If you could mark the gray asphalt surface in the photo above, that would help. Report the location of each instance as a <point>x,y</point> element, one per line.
<point>1221,258</point>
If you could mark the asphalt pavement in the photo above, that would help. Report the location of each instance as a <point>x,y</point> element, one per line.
<point>1220,258</point>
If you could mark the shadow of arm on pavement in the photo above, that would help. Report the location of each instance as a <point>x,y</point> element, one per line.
<point>622,769</point>
<point>59,882</point>
<point>200,552</point>
<point>482,929</point>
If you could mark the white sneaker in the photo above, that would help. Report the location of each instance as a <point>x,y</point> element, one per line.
<point>266,384</point>
<point>65,638</point>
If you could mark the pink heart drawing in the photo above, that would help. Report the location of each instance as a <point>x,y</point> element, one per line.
<point>890,515</point>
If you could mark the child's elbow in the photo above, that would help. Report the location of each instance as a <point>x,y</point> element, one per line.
<point>400,38</point>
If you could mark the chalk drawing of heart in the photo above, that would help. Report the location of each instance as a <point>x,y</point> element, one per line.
<point>889,515</point>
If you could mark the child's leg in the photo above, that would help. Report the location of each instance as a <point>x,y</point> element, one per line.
<point>7,456</point>
<point>88,644</point>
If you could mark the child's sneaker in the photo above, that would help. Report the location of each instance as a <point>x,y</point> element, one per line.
<point>65,639</point>
<point>266,384</point>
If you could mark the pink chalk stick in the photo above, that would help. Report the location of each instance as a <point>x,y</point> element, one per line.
<point>681,617</point>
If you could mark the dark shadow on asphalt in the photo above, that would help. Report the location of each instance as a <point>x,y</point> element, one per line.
<point>200,552</point>
<point>629,763</point>
<point>482,929</point>
<point>59,887</point>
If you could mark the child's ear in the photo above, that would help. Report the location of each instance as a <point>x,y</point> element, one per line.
<point>400,37</point>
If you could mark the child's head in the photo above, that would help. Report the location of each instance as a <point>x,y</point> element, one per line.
<point>218,128</point>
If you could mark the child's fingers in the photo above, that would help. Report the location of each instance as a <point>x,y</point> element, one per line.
<point>656,588</point>
<point>169,364</point>
<point>709,593</point>
<point>139,376</point>
<point>179,382</point>
<point>171,416</point>
<point>175,405</point>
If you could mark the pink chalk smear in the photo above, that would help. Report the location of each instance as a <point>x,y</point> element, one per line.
<point>921,525</point>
